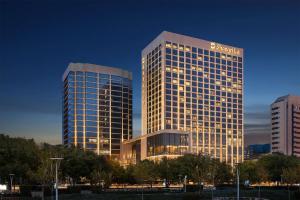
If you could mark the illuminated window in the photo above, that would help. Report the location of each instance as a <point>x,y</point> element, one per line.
<point>229,115</point>
<point>92,140</point>
<point>168,45</point>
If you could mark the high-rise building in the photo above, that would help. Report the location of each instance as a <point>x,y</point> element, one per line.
<point>255,151</point>
<point>97,108</point>
<point>192,98</point>
<point>285,113</point>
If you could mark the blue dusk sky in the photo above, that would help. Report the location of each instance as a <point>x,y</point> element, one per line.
<point>38,39</point>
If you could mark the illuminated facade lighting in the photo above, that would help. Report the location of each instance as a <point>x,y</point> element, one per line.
<point>189,104</point>
<point>97,108</point>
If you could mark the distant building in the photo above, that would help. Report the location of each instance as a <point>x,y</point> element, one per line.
<point>192,99</point>
<point>97,108</point>
<point>285,113</point>
<point>254,151</point>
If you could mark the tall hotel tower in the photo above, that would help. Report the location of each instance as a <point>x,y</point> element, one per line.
<point>97,108</point>
<point>192,98</point>
<point>285,112</point>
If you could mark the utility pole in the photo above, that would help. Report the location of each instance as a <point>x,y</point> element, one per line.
<point>56,175</point>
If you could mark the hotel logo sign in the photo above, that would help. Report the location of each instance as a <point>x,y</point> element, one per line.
<point>219,47</point>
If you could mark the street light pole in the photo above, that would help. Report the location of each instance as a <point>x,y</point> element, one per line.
<point>11,176</point>
<point>185,181</point>
<point>213,178</point>
<point>238,181</point>
<point>56,175</point>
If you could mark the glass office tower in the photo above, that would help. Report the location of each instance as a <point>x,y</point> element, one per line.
<point>192,98</point>
<point>97,108</point>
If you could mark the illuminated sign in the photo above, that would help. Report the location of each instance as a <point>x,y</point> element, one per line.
<point>219,47</point>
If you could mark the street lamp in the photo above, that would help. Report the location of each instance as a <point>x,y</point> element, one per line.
<point>237,181</point>
<point>185,182</point>
<point>213,177</point>
<point>11,176</point>
<point>56,176</point>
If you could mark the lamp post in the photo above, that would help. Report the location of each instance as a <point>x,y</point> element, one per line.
<point>237,181</point>
<point>11,177</point>
<point>185,181</point>
<point>213,177</point>
<point>56,175</point>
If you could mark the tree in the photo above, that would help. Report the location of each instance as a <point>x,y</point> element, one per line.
<point>223,173</point>
<point>275,164</point>
<point>44,174</point>
<point>145,171</point>
<point>195,167</point>
<point>77,164</point>
<point>129,174</point>
<point>291,175</point>
<point>164,169</point>
<point>262,173</point>
<point>248,171</point>
<point>118,172</point>
<point>18,156</point>
<point>100,172</point>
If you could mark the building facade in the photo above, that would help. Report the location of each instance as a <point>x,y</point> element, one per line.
<point>285,113</point>
<point>255,151</point>
<point>97,108</point>
<point>192,99</point>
